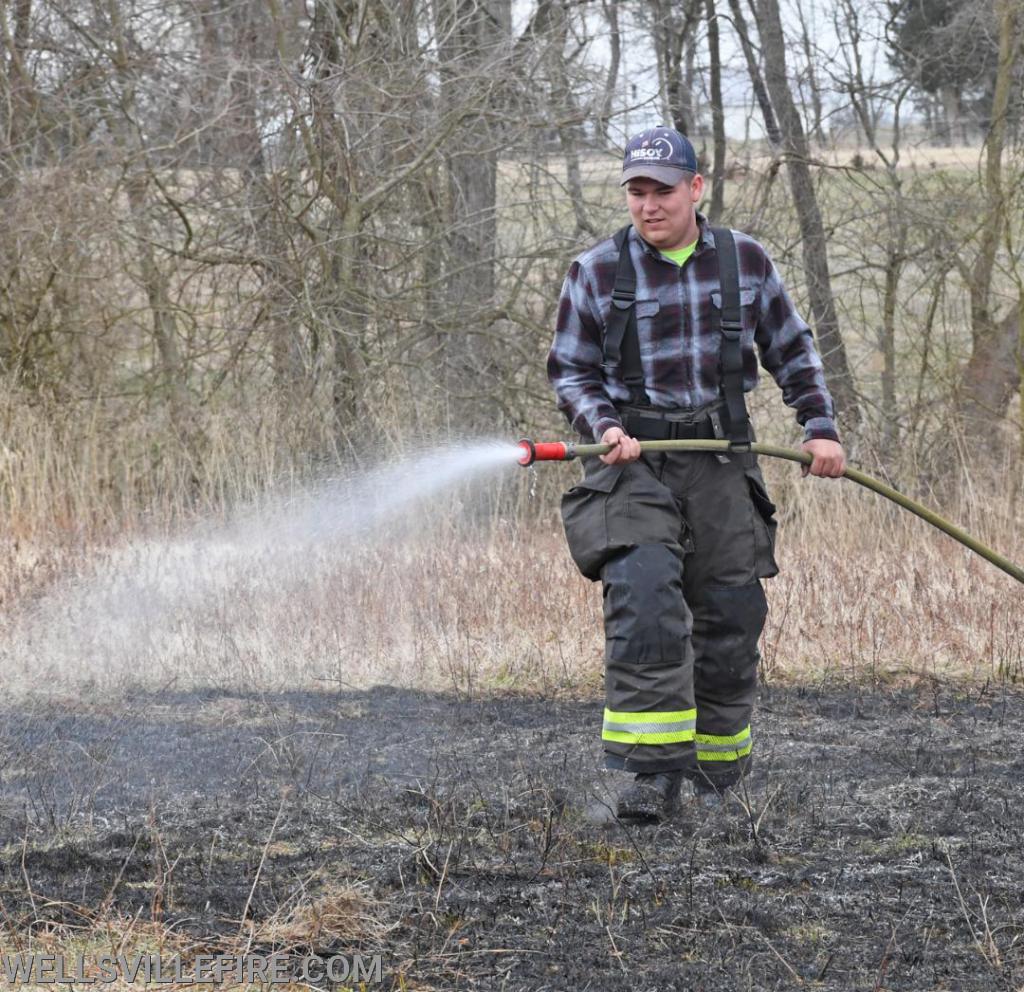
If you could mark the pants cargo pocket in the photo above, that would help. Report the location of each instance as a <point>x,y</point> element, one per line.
<point>765,525</point>
<point>585,510</point>
<point>615,507</point>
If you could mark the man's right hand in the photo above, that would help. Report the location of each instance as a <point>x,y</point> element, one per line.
<point>624,448</point>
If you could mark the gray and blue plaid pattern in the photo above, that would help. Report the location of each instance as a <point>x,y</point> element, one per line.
<point>679,342</point>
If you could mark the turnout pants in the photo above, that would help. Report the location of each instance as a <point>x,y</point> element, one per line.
<point>680,542</point>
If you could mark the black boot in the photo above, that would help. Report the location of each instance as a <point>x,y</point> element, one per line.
<point>711,794</point>
<point>652,796</point>
<point>714,790</point>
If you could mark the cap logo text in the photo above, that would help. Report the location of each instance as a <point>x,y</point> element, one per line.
<point>660,148</point>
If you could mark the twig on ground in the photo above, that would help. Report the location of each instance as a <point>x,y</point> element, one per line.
<point>991,953</point>
<point>259,868</point>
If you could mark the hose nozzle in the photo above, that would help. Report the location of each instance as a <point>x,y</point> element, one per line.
<point>545,451</point>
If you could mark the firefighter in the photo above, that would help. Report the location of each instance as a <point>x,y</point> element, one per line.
<point>654,339</point>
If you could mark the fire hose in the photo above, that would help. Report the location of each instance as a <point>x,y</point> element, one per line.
<point>547,451</point>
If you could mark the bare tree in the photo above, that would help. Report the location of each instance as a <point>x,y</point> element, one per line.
<point>475,40</point>
<point>248,235</point>
<point>811,62</point>
<point>993,372</point>
<point>805,200</point>
<point>611,12</point>
<point>757,83</point>
<point>890,250</point>
<point>672,30</point>
<point>717,117</point>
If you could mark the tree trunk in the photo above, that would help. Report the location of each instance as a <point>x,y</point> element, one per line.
<point>165,328</point>
<point>227,34</point>
<point>570,133</point>
<point>812,78</point>
<point>771,126</point>
<point>153,277</point>
<point>992,376</point>
<point>992,373</point>
<point>717,118</point>
<point>676,93</point>
<point>672,36</point>
<point>477,34</point>
<point>611,10</point>
<point>805,200</point>
<point>344,302</point>
<point>348,321</point>
<point>17,97</point>
<point>232,40</point>
<point>890,416</point>
<point>951,112</point>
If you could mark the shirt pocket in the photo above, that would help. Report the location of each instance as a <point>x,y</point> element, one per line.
<point>748,310</point>
<point>646,321</point>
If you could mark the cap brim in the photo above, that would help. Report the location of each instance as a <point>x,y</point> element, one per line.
<point>667,174</point>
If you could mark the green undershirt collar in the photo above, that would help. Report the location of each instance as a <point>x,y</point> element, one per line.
<point>679,255</point>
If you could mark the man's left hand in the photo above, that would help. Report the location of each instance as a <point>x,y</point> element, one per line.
<point>829,459</point>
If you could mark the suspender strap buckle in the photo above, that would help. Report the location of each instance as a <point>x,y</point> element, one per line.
<point>718,432</point>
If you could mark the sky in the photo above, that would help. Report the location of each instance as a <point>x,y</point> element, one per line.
<point>638,82</point>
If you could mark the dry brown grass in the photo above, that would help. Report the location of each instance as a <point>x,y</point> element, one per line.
<point>343,914</point>
<point>332,916</point>
<point>866,592</point>
<point>449,596</point>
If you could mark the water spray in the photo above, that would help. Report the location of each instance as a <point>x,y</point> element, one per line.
<point>562,451</point>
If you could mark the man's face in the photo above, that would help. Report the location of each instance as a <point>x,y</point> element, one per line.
<point>664,215</point>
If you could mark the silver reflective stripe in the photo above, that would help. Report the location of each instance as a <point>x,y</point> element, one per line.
<point>651,728</point>
<point>738,746</point>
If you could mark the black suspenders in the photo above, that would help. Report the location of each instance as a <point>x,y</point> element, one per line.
<point>622,344</point>
<point>730,361</point>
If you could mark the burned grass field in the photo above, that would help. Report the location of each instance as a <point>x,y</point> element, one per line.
<point>878,844</point>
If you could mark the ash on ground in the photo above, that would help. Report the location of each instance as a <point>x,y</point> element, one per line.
<point>877,843</point>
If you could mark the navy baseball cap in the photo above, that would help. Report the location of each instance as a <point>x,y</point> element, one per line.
<point>660,153</point>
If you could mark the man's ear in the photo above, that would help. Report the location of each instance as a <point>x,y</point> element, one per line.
<point>697,187</point>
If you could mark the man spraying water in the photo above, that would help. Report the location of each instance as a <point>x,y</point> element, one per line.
<point>655,340</point>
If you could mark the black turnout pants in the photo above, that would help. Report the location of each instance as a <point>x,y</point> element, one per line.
<point>680,541</point>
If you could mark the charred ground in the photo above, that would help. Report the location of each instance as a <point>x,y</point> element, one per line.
<point>878,844</point>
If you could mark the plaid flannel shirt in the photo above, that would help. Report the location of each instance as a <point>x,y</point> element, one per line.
<point>679,343</point>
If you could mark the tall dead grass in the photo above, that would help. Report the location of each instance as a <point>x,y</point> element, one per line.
<point>472,591</point>
<point>866,591</point>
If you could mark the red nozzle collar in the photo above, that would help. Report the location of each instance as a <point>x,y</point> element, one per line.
<point>544,451</point>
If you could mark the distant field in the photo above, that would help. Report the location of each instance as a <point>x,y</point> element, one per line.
<point>606,167</point>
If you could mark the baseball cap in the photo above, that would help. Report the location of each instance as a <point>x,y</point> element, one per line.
<point>660,153</point>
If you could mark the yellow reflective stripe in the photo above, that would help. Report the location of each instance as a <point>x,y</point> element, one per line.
<point>664,727</point>
<point>668,726</point>
<point>733,755</point>
<point>661,737</point>
<point>724,747</point>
